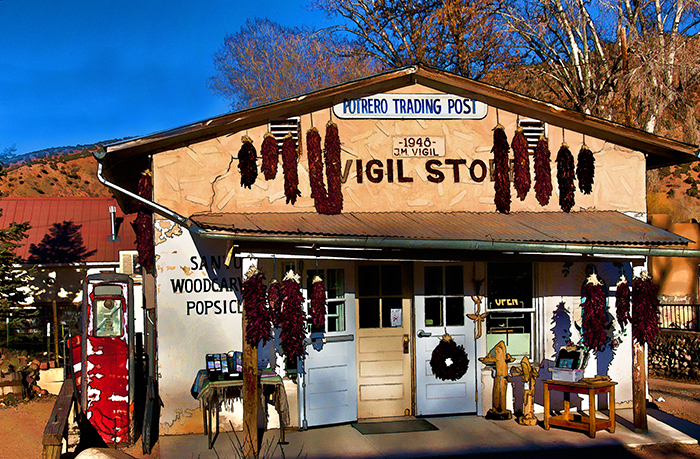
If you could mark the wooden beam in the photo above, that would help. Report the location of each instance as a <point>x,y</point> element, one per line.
<point>639,386</point>
<point>251,397</point>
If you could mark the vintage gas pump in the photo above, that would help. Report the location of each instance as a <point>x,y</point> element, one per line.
<point>107,385</point>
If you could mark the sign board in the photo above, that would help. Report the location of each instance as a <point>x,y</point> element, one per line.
<point>410,106</point>
<point>409,146</point>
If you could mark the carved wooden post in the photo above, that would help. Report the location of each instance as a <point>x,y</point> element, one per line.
<point>251,397</point>
<point>639,385</point>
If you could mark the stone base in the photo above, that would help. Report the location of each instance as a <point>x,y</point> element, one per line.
<point>499,415</point>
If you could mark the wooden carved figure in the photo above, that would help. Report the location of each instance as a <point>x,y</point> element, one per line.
<point>529,376</point>
<point>499,359</point>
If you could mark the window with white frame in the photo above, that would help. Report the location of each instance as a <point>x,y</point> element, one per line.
<point>444,296</point>
<point>510,307</point>
<point>334,283</point>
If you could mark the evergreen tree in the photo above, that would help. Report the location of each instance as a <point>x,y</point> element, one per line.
<point>14,282</point>
<point>11,279</point>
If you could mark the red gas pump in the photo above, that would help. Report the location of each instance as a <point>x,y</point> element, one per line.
<point>107,357</point>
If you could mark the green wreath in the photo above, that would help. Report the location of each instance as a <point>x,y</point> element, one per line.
<point>449,360</point>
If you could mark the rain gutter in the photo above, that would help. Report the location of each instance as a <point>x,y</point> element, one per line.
<point>164,211</point>
<point>452,244</point>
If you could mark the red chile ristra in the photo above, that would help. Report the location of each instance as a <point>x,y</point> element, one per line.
<point>318,302</point>
<point>594,323</point>
<point>270,156</point>
<point>565,178</point>
<point>143,224</point>
<point>289,164</point>
<point>521,163</point>
<point>257,314</point>
<point>292,320</point>
<point>500,166</point>
<point>585,170</point>
<point>645,314</point>
<point>543,172</point>
<point>247,162</point>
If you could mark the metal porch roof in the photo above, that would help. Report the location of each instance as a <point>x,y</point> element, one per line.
<point>600,228</point>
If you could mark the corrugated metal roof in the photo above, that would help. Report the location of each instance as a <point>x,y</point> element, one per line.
<point>91,213</point>
<point>597,227</point>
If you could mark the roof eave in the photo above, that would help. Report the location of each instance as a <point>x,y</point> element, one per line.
<point>451,244</point>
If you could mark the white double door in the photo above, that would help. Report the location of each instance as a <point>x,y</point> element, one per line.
<point>443,298</point>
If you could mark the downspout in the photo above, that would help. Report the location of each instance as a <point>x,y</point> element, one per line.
<point>164,211</point>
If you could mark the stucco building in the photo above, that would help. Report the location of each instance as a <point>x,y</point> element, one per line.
<point>418,248</point>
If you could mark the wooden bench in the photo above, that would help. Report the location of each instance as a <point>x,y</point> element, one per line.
<point>57,428</point>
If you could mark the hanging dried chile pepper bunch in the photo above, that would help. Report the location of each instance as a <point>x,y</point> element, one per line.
<point>318,188</point>
<point>594,323</point>
<point>622,302</point>
<point>143,224</point>
<point>274,298</point>
<point>292,319</point>
<point>289,164</point>
<point>500,166</point>
<point>247,162</point>
<point>521,163</point>
<point>449,360</point>
<point>543,172</point>
<point>332,158</point>
<point>256,312</point>
<point>270,156</point>
<point>645,309</point>
<point>585,170</point>
<point>318,302</point>
<point>565,178</point>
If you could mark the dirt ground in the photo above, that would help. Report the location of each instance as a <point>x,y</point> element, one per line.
<point>22,427</point>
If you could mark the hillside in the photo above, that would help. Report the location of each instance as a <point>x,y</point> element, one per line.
<point>69,174</point>
<point>675,191</point>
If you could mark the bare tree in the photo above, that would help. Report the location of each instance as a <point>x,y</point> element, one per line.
<point>456,35</point>
<point>266,61</point>
<point>627,60</point>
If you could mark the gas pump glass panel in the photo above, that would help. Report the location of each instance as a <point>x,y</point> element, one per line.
<point>510,307</point>
<point>109,311</point>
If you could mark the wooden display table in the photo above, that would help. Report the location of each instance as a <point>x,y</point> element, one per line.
<point>587,423</point>
<point>213,393</point>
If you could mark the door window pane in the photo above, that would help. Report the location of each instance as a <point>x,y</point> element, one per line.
<point>335,298</point>
<point>454,280</point>
<point>391,280</point>
<point>335,283</point>
<point>369,312</point>
<point>454,314</point>
<point>433,280</point>
<point>392,312</point>
<point>368,277</point>
<point>433,312</point>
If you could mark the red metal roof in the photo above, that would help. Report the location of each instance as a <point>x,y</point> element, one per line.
<point>599,227</point>
<point>91,213</point>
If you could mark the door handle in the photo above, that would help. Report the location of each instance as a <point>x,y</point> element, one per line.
<point>405,344</point>
<point>424,334</point>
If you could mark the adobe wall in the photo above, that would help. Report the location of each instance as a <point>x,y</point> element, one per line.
<point>204,177</point>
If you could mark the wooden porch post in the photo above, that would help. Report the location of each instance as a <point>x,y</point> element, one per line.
<point>251,397</point>
<point>639,385</point>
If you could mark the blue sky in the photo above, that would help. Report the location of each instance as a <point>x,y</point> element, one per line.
<point>77,72</point>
